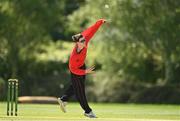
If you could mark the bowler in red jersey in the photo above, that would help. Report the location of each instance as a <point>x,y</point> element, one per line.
<point>78,69</point>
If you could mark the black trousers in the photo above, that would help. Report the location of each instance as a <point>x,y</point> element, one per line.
<point>77,87</point>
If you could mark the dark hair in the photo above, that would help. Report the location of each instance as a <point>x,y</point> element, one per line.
<point>76,37</point>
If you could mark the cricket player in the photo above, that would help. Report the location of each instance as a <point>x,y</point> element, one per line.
<point>78,69</point>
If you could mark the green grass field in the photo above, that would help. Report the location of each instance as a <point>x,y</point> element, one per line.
<point>105,112</point>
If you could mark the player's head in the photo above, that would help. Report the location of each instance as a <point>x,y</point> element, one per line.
<point>79,39</point>
<point>76,37</point>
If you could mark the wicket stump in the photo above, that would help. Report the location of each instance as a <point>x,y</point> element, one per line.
<point>12,97</point>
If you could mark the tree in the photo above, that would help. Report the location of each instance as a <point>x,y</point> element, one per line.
<point>155,23</point>
<point>26,24</point>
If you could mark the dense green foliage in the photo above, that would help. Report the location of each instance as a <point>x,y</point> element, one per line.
<point>136,53</point>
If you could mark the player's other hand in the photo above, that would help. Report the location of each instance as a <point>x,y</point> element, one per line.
<point>90,70</point>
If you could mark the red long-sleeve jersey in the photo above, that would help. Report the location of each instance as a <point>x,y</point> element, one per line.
<point>77,60</point>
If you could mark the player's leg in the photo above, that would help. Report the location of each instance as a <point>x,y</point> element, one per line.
<point>63,100</point>
<point>79,89</point>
